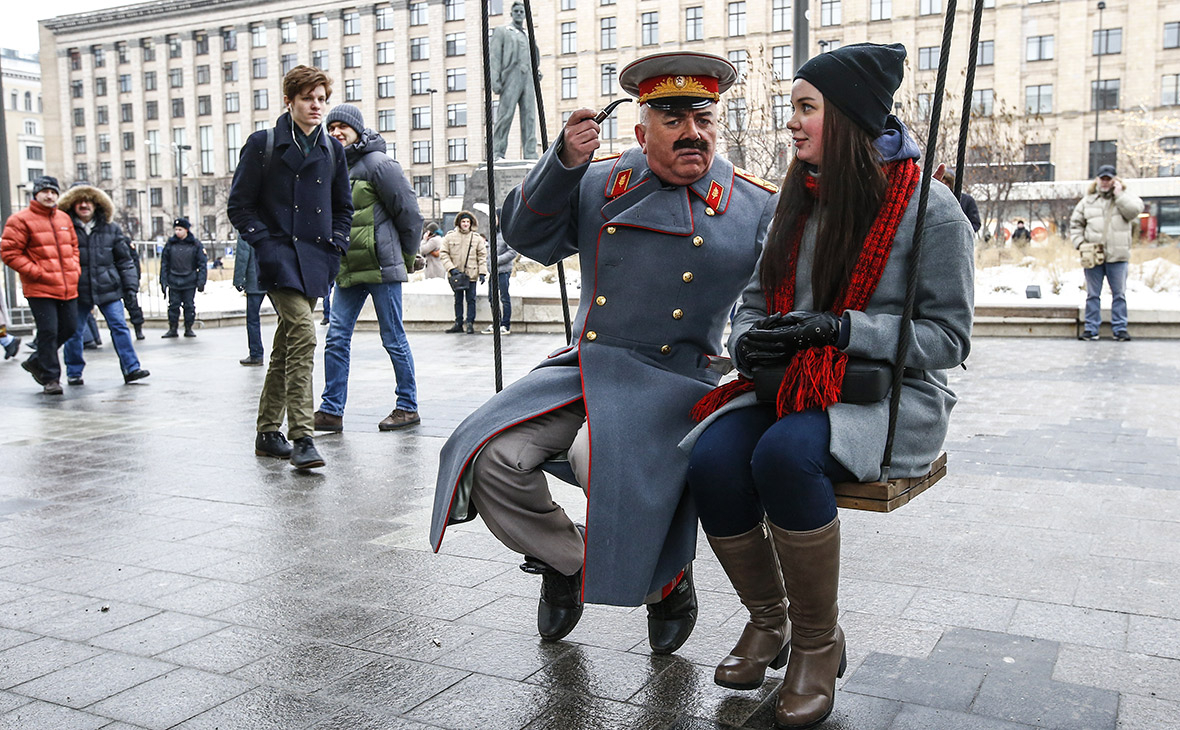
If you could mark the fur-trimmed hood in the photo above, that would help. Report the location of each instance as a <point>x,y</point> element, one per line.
<point>103,207</point>
<point>1093,189</point>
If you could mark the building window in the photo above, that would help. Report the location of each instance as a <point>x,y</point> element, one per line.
<point>261,100</point>
<point>104,171</point>
<point>829,12</point>
<point>780,15</point>
<point>456,185</point>
<point>75,59</point>
<point>1172,35</point>
<point>385,52</point>
<point>384,16</point>
<point>694,24</point>
<point>1170,146</point>
<point>739,60</point>
<point>457,149</point>
<point>569,37</point>
<point>153,158</point>
<point>386,120</point>
<point>880,9</point>
<point>319,59</point>
<point>149,49</point>
<point>204,106</point>
<point>986,55</point>
<point>178,108</point>
<point>457,115</point>
<point>1038,99</point>
<point>151,110</point>
<point>33,152</point>
<point>1038,48</point>
<point>201,44</point>
<point>1170,90</point>
<point>229,71</point>
<point>175,78</point>
<point>82,172</point>
<point>737,18</point>
<point>456,10</point>
<point>929,7</point>
<point>608,80</point>
<point>420,117</point>
<point>173,42</point>
<point>352,57</point>
<point>80,145</point>
<point>79,118</point>
<point>229,39</point>
<point>649,24</point>
<point>456,79</point>
<point>203,74</point>
<point>206,136</point>
<point>129,173</point>
<point>149,80</point>
<point>352,23</point>
<point>781,62</point>
<point>983,102</point>
<point>124,83</point>
<point>924,104</point>
<point>76,92</point>
<point>231,102</point>
<point>1108,42</point>
<point>233,145</point>
<point>456,44</point>
<point>384,87</point>
<point>608,34</point>
<point>569,4</point>
<point>1102,152</point>
<point>258,68</point>
<point>735,112</point>
<point>1104,94</point>
<point>288,31</point>
<point>420,82</point>
<point>423,185</point>
<point>352,90</point>
<point>319,27</point>
<point>421,151</point>
<point>121,52</point>
<point>99,56</point>
<point>569,83</point>
<point>419,49</point>
<point>419,14</point>
<point>928,58</point>
<point>289,61</point>
<point>100,115</point>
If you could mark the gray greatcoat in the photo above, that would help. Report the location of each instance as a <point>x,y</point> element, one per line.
<point>661,268</point>
<point>943,314</point>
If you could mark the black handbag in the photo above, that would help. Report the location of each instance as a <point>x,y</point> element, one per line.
<point>458,279</point>
<point>865,381</point>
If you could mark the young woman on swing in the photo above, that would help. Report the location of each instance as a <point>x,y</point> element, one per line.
<point>820,322</point>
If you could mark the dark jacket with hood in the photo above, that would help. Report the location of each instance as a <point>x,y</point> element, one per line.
<point>183,264</point>
<point>294,209</point>
<point>385,218</point>
<point>108,265</point>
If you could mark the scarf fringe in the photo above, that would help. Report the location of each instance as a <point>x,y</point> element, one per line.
<point>812,380</point>
<point>719,396</point>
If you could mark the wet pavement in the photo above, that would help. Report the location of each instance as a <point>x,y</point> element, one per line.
<point>154,573</point>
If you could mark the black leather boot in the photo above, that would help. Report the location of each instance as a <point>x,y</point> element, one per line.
<point>138,331</point>
<point>304,454</point>
<point>671,620</point>
<point>170,333</point>
<point>455,328</point>
<point>272,443</point>
<point>560,606</point>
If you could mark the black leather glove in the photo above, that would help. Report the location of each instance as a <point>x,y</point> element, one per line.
<point>201,289</point>
<point>796,331</point>
<point>482,278</point>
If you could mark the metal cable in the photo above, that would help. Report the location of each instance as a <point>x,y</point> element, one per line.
<point>968,89</point>
<point>493,222</point>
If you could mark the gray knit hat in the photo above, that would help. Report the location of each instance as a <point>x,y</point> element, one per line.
<point>348,114</point>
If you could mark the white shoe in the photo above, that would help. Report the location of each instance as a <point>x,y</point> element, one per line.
<point>489,330</point>
<point>504,330</point>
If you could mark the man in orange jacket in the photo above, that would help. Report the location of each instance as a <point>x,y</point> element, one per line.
<point>40,244</point>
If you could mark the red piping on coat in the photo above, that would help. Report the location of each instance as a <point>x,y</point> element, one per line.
<point>728,199</point>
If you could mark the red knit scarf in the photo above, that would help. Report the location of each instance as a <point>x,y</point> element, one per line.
<point>815,375</point>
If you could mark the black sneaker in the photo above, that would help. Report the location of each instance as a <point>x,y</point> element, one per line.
<point>1089,336</point>
<point>250,361</point>
<point>272,443</point>
<point>1122,336</point>
<point>75,380</point>
<point>304,454</point>
<point>12,348</point>
<point>134,375</point>
<point>671,620</point>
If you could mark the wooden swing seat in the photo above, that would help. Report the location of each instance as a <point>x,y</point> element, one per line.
<point>888,496</point>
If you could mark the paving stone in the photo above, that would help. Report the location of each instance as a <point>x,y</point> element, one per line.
<point>996,652</point>
<point>10,701</point>
<point>931,683</point>
<point>262,708</point>
<point>1147,713</point>
<point>851,712</point>
<point>478,701</point>
<point>1128,673</point>
<point>233,648</point>
<point>306,667</point>
<point>44,715</point>
<point>36,658</point>
<point>918,717</point>
<point>420,638</point>
<point>11,637</point>
<point>1154,636</point>
<point>355,718</point>
<point>1072,625</point>
<point>689,689</point>
<point>393,685</point>
<point>576,712</point>
<point>1045,703</point>
<point>170,699</point>
<point>94,679</point>
<point>604,673</point>
<point>952,608</point>
<point>157,633</point>
<point>92,618</point>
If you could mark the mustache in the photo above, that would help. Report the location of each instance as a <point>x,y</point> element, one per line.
<point>690,144</point>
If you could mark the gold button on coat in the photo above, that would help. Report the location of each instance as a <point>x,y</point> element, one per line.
<point>600,300</point>
<point>677,313</point>
<point>610,229</point>
<point>698,241</point>
<point>665,349</point>
<point>592,335</point>
<point>710,211</point>
<point>687,277</point>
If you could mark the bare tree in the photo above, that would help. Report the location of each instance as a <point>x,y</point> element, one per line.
<point>1146,141</point>
<point>754,119</point>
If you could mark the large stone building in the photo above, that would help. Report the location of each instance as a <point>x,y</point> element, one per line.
<point>23,122</point>
<point>126,87</point>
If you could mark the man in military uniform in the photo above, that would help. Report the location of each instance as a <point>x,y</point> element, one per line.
<point>667,235</point>
<point>512,79</point>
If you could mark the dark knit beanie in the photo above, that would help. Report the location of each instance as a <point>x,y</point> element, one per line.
<point>348,114</point>
<point>182,223</point>
<point>45,182</point>
<point>859,80</point>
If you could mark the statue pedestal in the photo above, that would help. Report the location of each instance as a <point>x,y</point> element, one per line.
<point>508,174</point>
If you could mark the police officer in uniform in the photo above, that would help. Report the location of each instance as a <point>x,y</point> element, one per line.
<point>667,234</point>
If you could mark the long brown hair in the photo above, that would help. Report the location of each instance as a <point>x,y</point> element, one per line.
<point>851,188</point>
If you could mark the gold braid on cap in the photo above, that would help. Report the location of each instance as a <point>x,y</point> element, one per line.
<point>679,86</point>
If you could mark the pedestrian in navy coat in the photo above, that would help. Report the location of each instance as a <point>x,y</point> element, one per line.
<point>292,202</point>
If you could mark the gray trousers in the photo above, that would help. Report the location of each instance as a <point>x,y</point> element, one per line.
<point>511,492</point>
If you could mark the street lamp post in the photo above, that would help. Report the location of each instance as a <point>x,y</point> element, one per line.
<point>1098,90</point>
<point>180,150</point>
<point>143,221</point>
<point>433,152</point>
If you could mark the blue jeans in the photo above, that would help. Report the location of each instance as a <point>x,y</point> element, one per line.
<point>467,295</point>
<point>328,302</point>
<point>346,307</point>
<point>505,301</point>
<point>120,338</point>
<point>1116,275</point>
<point>254,323</point>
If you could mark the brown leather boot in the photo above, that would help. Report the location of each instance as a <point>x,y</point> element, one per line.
<point>750,562</point>
<point>811,574</point>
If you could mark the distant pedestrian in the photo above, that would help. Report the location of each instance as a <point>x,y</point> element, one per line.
<point>183,269</point>
<point>107,273</point>
<point>1020,235</point>
<point>40,244</point>
<point>246,280</point>
<point>505,261</point>
<point>383,247</point>
<point>291,200</point>
<point>131,298</point>
<point>464,250</point>
<point>10,343</point>
<point>431,249</point>
<point>966,202</point>
<point>1100,229</point>
<point>88,326</point>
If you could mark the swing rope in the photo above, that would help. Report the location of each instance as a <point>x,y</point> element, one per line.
<point>968,89</point>
<point>493,222</point>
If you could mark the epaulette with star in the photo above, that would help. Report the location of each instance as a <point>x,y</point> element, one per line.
<point>751,177</point>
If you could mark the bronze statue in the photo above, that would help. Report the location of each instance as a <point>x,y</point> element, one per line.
<point>512,79</point>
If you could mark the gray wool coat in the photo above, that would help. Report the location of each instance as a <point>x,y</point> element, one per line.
<point>943,314</point>
<point>661,266</point>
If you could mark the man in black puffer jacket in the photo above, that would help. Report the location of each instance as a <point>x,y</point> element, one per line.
<point>183,268</point>
<point>108,273</point>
